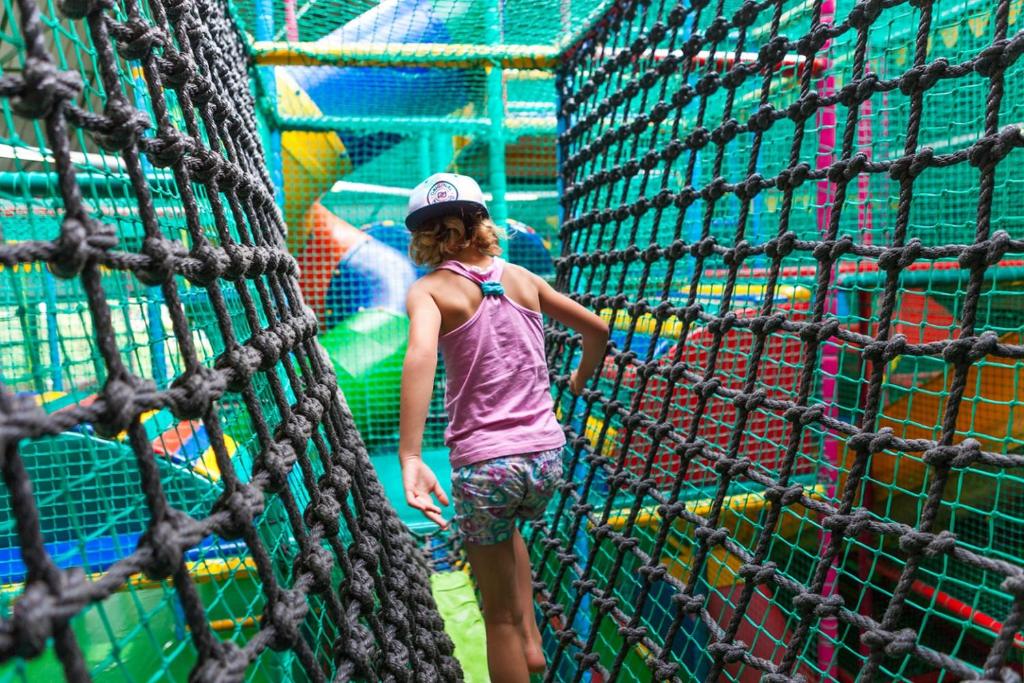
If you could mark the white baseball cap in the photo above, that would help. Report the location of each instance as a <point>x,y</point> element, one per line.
<point>443,194</point>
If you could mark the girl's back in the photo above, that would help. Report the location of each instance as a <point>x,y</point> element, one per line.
<point>458,298</point>
<point>498,395</point>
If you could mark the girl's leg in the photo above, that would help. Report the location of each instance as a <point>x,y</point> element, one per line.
<point>495,569</point>
<point>531,634</point>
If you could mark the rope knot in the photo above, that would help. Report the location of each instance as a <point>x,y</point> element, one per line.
<point>790,179</point>
<point>32,621</point>
<point>999,55</point>
<point>730,653</point>
<point>762,119</point>
<point>690,604</point>
<point>243,505</point>
<point>285,615</point>
<point>710,536</point>
<point>195,391</point>
<point>683,96</point>
<point>72,247</point>
<point>758,573</point>
<point>653,574</point>
<point>896,644</point>
<point>765,325</point>
<point>751,187</point>
<point>845,170</point>
<point>275,461</point>
<point>686,197</point>
<point>772,53</point>
<point>725,132</point>
<point>205,165</point>
<point>900,258</point>
<point>858,91</point>
<point>752,401</point>
<point>987,253</point>
<point>931,545</point>
<point>1014,585</point>
<point>717,30</point>
<point>746,14</point>
<point>239,261</point>
<point>167,540</point>
<point>137,38</point>
<point>43,85</point>
<point>885,350</point>
<point>991,149</point>
<point>784,495</point>
<point>849,525</point>
<point>632,635</point>
<point>970,350</point>
<point>663,671</point>
<point>121,398</point>
<point>804,108</point>
<point>318,563</point>
<point>923,77</point>
<point>164,255</point>
<point>168,147</point>
<point>269,346</point>
<point>864,14</point>
<point>821,606</point>
<point>123,127</point>
<point>698,138</point>
<point>241,363</point>
<point>176,70</point>
<point>326,512</point>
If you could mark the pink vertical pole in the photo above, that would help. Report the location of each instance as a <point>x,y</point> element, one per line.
<point>291,21</point>
<point>864,217</point>
<point>826,121</point>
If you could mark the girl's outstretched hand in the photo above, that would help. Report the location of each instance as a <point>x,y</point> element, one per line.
<point>420,482</point>
<point>577,383</point>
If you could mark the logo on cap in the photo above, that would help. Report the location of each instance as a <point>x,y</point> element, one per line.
<point>442,191</point>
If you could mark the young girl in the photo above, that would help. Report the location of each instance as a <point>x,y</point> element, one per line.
<point>505,443</point>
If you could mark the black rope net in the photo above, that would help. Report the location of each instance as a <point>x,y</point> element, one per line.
<point>802,459</point>
<point>141,238</point>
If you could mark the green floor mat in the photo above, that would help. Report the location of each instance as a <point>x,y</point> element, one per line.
<point>389,471</point>
<point>456,601</point>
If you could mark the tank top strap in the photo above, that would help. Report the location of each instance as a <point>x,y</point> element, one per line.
<point>489,280</point>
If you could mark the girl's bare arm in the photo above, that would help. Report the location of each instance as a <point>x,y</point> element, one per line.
<point>590,326</point>
<point>417,385</point>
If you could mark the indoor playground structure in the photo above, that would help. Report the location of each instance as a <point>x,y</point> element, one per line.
<point>803,220</point>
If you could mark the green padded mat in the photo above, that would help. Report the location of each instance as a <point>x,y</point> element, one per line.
<point>456,601</point>
<point>385,461</point>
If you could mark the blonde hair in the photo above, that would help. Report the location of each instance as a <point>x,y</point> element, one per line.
<point>438,239</point>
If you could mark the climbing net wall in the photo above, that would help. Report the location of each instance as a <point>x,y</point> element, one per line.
<point>184,491</point>
<point>802,458</point>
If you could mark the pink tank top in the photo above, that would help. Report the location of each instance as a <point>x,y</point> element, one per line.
<point>498,395</point>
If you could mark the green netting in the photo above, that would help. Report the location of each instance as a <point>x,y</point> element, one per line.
<point>523,22</point>
<point>411,119</point>
<point>355,138</point>
<point>358,101</point>
<point>184,496</point>
<point>87,486</point>
<point>752,407</point>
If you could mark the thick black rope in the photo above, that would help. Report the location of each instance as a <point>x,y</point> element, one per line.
<point>630,116</point>
<point>381,616</point>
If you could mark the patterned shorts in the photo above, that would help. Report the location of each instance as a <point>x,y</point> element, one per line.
<point>492,495</point>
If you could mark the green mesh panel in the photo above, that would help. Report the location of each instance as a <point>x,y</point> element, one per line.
<point>656,400</point>
<point>109,487</point>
